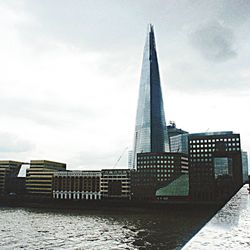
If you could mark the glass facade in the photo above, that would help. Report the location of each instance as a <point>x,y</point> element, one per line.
<point>150,131</point>
<point>179,143</point>
<point>244,157</point>
<point>222,166</point>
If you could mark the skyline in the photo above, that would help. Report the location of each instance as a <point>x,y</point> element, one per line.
<point>56,55</point>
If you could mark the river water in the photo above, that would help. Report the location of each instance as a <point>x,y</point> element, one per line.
<point>24,228</point>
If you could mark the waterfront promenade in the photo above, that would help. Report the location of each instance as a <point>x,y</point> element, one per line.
<point>228,229</point>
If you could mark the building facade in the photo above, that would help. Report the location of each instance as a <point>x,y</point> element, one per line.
<point>179,143</point>
<point>39,177</point>
<point>78,185</point>
<point>156,170</point>
<point>244,166</point>
<point>130,159</point>
<point>8,176</point>
<point>115,183</point>
<point>215,165</point>
<point>150,131</point>
<point>173,130</point>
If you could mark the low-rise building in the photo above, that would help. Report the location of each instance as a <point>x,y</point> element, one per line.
<point>8,174</point>
<point>39,177</point>
<point>157,170</point>
<point>80,185</point>
<point>115,184</point>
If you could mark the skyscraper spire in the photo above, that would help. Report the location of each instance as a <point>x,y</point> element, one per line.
<point>150,130</point>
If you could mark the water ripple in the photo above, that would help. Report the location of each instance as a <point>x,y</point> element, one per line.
<point>41,229</point>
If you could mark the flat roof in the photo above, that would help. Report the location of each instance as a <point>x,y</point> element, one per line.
<point>46,161</point>
<point>213,133</point>
<point>8,162</point>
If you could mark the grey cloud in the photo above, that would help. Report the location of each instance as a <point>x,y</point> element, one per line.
<point>92,160</point>
<point>214,42</point>
<point>235,12</point>
<point>11,143</point>
<point>89,160</point>
<point>43,112</point>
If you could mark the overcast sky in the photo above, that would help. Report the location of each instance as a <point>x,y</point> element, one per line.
<point>70,71</point>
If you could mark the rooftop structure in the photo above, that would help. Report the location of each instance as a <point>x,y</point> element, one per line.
<point>173,130</point>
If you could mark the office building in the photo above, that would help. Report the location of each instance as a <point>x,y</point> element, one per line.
<point>179,143</point>
<point>130,159</point>
<point>244,166</point>
<point>173,130</point>
<point>40,176</point>
<point>215,165</point>
<point>150,131</point>
<point>115,183</point>
<point>157,170</point>
<point>8,176</point>
<point>78,185</point>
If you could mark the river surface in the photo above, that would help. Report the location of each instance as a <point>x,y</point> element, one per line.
<point>24,228</point>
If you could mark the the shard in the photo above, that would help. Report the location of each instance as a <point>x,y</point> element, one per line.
<point>150,130</point>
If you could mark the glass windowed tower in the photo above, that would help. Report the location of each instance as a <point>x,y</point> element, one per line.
<point>150,130</point>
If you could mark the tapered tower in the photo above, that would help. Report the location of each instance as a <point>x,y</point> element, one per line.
<point>150,130</point>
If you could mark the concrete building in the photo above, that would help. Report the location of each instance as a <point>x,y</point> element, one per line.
<point>157,170</point>
<point>115,183</point>
<point>80,185</point>
<point>215,165</point>
<point>8,176</point>
<point>40,176</point>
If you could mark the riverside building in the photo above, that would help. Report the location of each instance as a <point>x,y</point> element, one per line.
<point>215,165</point>
<point>8,174</point>
<point>115,183</point>
<point>150,131</point>
<point>79,185</point>
<point>157,170</point>
<point>39,177</point>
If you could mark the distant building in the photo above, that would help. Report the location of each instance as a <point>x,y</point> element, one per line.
<point>150,131</point>
<point>79,185</point>
<point>130,159</point>
<point>244,166</point>
<point>215,165</point>
<point>179,143</point>
<point>173,131</point>
<point>39,177</point>
<point>157,170</point>
<point>8,176</point>
<point>115,183</point>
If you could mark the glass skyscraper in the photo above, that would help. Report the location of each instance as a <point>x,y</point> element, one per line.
<point>150,130</point>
